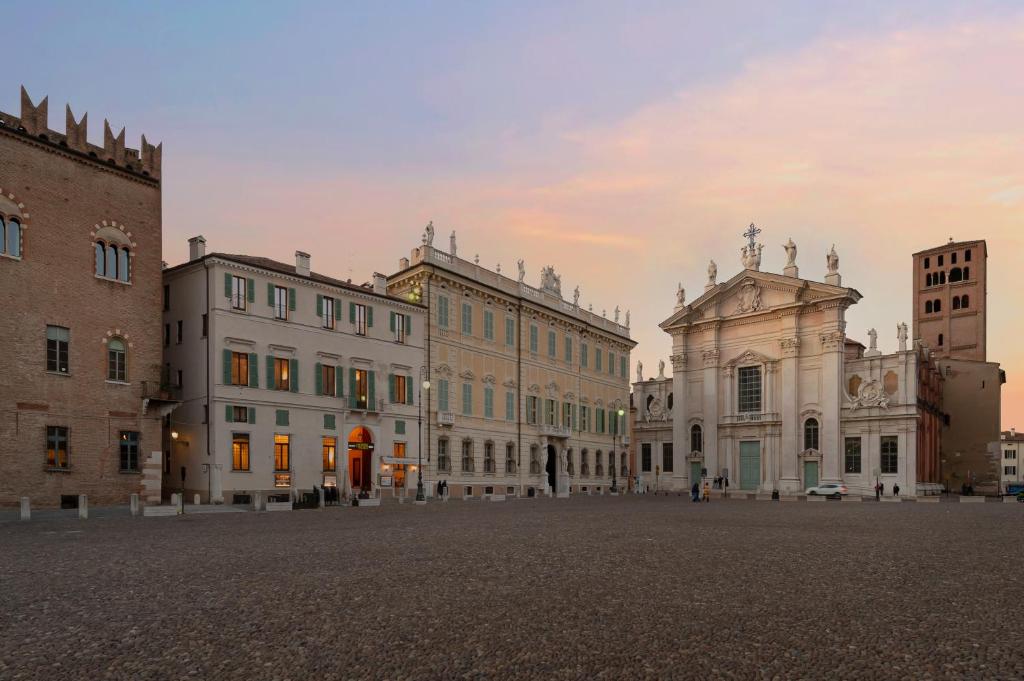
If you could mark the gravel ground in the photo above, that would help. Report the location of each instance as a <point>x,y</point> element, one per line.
<point>593,587</point>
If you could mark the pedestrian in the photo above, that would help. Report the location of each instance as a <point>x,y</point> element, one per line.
<point>878,491</point>
<point>707,492</point>
<point>895,490</point>
<point>695,493</point>
<point>725,484</point>
<point>881,489</point>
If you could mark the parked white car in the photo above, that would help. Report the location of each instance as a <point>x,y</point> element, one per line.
<point>832,489</point>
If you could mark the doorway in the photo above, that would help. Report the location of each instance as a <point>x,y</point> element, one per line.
<point>552,468</point>
<point>810,474</point>
<point>694,472</point>
<point>750,465</point>
<point>360,458</point>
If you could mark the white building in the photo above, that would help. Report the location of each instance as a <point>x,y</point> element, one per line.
<point>767,390</point>
<point>1010,443</point>
<point>289,379</point>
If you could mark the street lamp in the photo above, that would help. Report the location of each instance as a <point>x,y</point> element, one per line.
<point>420,496</point>
<point>615,480</point>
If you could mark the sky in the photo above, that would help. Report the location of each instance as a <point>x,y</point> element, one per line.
<point>624,143</point>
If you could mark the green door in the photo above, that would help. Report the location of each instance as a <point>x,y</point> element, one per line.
<point>694,472</point>
<point>810,474</point>
<point>750,465</point>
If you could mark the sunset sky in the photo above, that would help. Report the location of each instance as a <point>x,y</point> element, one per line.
<point>623,143</point>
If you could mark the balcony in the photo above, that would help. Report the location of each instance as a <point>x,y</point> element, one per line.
<point>555,430</point>
<point>445,418</point>
<point>750,417</point>
<point>160,399</point>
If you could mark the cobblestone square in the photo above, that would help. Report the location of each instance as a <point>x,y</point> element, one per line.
<point>626,587</point>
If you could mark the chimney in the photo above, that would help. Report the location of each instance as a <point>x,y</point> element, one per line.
<point>403,263</point>
<point>380,283</point>
<point>196,248</point>
<point>301,264</point>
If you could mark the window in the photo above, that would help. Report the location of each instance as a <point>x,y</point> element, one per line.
<point>167,335</point>
<point>401,390</point>
<point>239,368</point>
<point>442,395</point>
<point>584,359</point>
<point>552,343</point>
<point>597,359</point>
<point>956,274</point>
<point>696,438</point>
<point>282,378</point>
<point>927,263</point>
<point>489,325</point>
<point>956,302</point>
<point>112,261</point>
<point>467,319</point>
<point>533,338</point>
<point>328,380</point>
<point>400,325</point>
<point>467,399</point>
<point>1009,470</point>
<point>570,464</point>
<point>599,464</point>
<point>180,332</point>
<point>927,307</point>
<point>58,340</point>
<point>330,451</point>
<point>238,292</point>
<point>941,338</point>
<point>467,456</point>
<point>240,451</point>
<point>129,449</point>
<point>568,349</point>
<point>567,414</point>
<point>549,412</point>
<point>534,460</point>
<point>531,409</point>
<point>444,463</point>
<point>942,278</point>
<point>282,452</point>
<point>624,366</point>
<point>327,307</point>
<point>851,463</point>
<point>238,414</point>
<point>510,458</point>
<point>116,366</point>
<point>510,406</point>
<point>10,237</point>
<point>488,402</point>
<point>488,457</point>
<point>280,302</point>
<point>584,462</point>
<point>624,466</point>
<point>890,452</point>
<point>645,457</point>
<point>358,315</point>
<point>811,434</point>
<point>666,457</point>
<point>57,447</point>
<point>584,419</point>
<point>206,325</point>
<point>611,363</point>
<point>940,261</point>
<point>928,279</point>
<point>749,381</point>
<point>1010,454</point>
<point>510,331</point>
<point>967,255</point>
<point>967,273</point>
<point>442,311</point>
<point>965,301</point>
<point>360,397</point>
<point>952,258</point>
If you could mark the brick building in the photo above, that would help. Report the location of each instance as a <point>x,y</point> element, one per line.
<point>80,286</point>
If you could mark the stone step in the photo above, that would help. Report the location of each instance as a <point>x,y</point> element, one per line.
<point>972,500</point>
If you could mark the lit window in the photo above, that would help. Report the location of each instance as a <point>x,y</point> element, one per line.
<point>282,453</point>
<point>328,380</point>
<point>57,447</point>
<point>281,374</point>
<point>239,368</point>
<point>116,366</point>
<point>330,449</point>
<point>240,451</point>
<point>362,381</point>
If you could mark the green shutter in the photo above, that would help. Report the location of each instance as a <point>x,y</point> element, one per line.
<point>337,309</point>
<point>229,413</point>
<point>442,395</point>
<point>408,325</point>
<point>254,371</point>
<point>291,299</point>
<point>369,316</point>
<point>408,390</point>
<point>352,313</point>
<point>270,293</point>
<point>391,321</point>
<point>319,305</point>
<point>250,286</point>
<point>371,393</point>
<point>329,423</point>
<point>399,427</point>
<point>271,378</point>
<point>252,414</point>
<point>227,366</point>
<point>282,417</point>
<point>227,284</point>
<point>339,381</point>
<point>391,387</point>
<point>293,369</point>
<point>353,398</point>
<point>319,378</point>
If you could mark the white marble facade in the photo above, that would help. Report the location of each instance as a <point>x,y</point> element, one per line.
<point>767,390</point>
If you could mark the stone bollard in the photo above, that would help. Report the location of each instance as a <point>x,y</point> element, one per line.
<point>257,501</point>
<point>323,494</point>
<point>133,504</point>
<point>26,509</point>
<point>83,506</point>
<point>174,499</point>
<point>195,499</point>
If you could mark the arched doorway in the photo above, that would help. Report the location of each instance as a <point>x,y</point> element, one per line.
<point>552,468</point>
<point>360,458</point>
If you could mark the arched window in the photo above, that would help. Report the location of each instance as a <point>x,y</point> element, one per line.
<point>927,307</point>
<point>670,402</point>
<point>937,306</point>
<point>101,259</point>
<point>964,301</point>
<point>611,463</point>
<point>942,277</point>
<point>111,266</point>
<point>113,255</point>
<point>534,459</point>
<point>122,264</point>
<point>599,464</point>
<point>811,434</point>
<point>10,237</point>
<point>928,279</point>
<point>955,274</point>
<point>570,465</point>
<point>650,398</point>
<point>117,368</point>
<point>956,302</point>
<point>967,273</point>
<point>940,340</point>
<point>584,463</point>
<point>696,438</point>
<point>624,470</point>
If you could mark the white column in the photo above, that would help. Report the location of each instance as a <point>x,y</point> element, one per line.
<point>790,414</point>
<point>680,412</point>
<point>711,393</point>
<point>832,382</point>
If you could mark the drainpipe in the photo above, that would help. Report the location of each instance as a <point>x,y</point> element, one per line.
<point>519,390</point>
<point>209,411</point>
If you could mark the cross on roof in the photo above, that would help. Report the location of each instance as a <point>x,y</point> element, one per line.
<point>751,234</point>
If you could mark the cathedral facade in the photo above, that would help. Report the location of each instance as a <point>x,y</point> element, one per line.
<point>767,391</point>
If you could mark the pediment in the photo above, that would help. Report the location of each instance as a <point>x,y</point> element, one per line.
<point>751,292</point>
<point>749,357</point>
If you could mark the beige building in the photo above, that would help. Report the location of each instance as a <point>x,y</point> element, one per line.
<point>1012,445</point>
<point>290,379</point>
<point>526,387</point>
<point>768,391</point>
<point>950,316</point>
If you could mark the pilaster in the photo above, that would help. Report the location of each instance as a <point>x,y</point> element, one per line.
<point>790,413</point>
